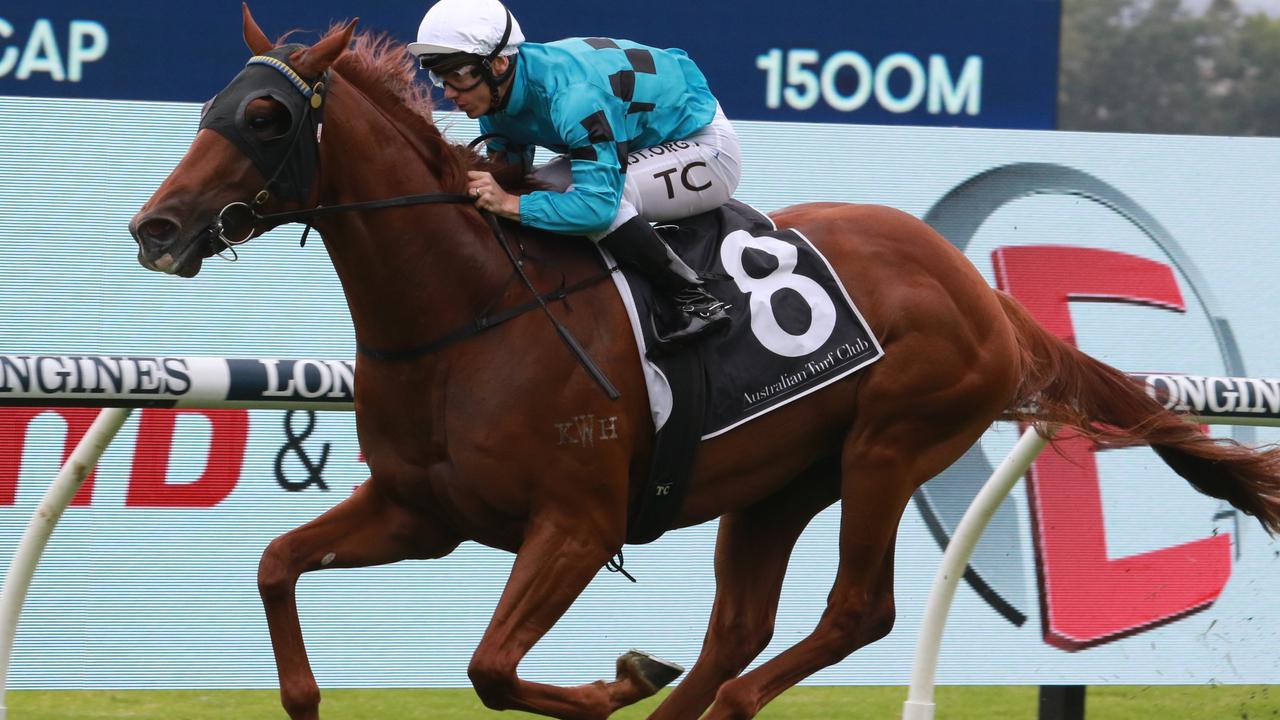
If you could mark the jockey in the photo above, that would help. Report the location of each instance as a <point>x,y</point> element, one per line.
<point>646,139</point>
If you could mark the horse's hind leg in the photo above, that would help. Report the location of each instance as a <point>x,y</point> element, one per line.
<point>752,550</point>
<point>365,529</point>
<point>885,459</point>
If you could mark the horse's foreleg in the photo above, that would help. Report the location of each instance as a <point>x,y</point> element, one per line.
<point>365,529</point>
<point>752,550</point>
<point>558,558</point>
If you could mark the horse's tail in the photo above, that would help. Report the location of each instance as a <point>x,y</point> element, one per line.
<point>1061,385</point>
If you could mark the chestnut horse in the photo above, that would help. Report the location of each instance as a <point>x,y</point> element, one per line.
<point>461,444</point>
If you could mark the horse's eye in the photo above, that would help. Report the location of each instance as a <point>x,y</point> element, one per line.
<point>267,123</point>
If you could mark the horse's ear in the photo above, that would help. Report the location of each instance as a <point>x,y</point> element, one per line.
<point>253,35</point>
<point>316,59</point>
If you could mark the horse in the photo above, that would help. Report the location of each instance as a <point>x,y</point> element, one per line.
<point>459,442</point>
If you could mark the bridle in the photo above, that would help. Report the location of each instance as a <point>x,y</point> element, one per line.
<point>236,223</point>
<point>248,218</point>
<point>290,163</point>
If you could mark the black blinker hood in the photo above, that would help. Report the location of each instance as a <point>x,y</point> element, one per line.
<point>289,162</point>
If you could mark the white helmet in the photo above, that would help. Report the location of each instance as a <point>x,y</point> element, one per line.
<point>468,26</point>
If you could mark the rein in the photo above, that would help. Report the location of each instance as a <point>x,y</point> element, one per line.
<point>284,218</point>
<point>484,322</point>
<point>249,212</point>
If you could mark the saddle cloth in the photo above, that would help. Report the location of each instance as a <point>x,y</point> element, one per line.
<point>794,328</point>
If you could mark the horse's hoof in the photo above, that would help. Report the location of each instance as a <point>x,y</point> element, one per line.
<point>651,672</point>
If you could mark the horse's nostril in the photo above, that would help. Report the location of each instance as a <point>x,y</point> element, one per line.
<point>160,231</point>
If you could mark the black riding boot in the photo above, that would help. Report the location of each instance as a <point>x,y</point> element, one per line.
<point>638,246</point>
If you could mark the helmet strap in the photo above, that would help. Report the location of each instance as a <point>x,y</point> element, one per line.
<point>502,44</point>
<point>495,81</point>
<point>498,101</point>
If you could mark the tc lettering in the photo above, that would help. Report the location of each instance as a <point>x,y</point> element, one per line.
<point>688,184</point>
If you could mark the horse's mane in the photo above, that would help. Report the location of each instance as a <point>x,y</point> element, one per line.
<point>383,70</point>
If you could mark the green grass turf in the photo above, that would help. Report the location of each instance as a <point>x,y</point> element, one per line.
<point>1201,702</point>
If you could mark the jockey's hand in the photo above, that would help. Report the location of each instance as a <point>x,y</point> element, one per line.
<point>490,196</point>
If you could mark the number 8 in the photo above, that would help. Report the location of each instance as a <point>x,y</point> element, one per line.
<point>760,292</point>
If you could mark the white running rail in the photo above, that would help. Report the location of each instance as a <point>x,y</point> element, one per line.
<point>1213,400</point>
<point>120,383</point>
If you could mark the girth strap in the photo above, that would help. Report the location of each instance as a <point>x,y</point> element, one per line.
<point>675,448</point>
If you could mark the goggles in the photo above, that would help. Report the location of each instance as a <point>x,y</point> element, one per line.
<point>461,79</point>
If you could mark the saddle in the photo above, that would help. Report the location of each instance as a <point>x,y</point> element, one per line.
<point>793,330</point>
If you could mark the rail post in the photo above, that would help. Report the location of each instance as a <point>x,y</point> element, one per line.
<point>36,537</point>
<point>919,704</point>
